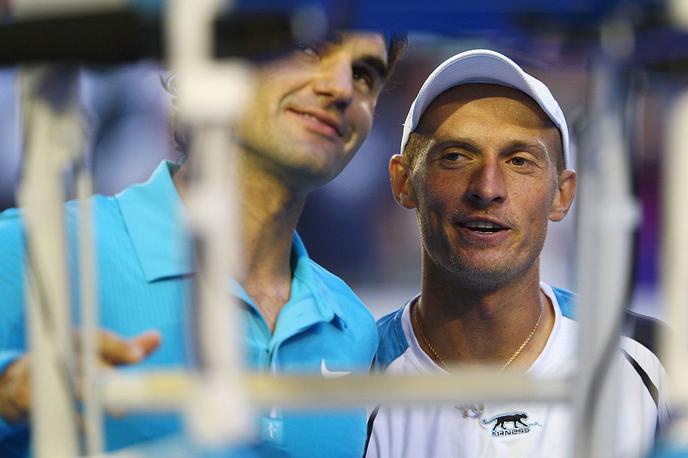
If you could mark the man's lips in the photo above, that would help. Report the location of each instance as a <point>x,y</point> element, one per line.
<point>321,121</point>
<point>482,228</point>
<point>482,224</point>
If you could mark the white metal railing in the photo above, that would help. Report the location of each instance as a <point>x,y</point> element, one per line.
<point>53,138</point>
<point>675,264</point>
<point>210,96</point>
<point>604,200</point>
<point>169,390</point>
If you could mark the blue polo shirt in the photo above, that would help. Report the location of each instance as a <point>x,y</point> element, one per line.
<point>145,275</point>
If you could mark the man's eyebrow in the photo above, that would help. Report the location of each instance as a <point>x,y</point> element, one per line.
<point>377,64</point>
<point>440,143</point>
<point>529,146</point>
<point>435,146</point>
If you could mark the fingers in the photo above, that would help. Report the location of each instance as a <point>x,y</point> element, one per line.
<point>15,395</point>
<point>115,350</point>
<point>147,342</point>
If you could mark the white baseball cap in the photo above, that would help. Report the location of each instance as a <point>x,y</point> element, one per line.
<point>484,66</point>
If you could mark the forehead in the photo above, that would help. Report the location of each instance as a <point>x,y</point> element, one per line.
<point>361,44</point>
<point>490,105</point>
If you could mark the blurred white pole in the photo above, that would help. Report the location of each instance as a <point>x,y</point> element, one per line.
<point>211,96</point>
<point>25,9</point>
<point>52,137</point>
<point>604,201</point>
<point>165,391</point>
<point>677,13</point>
<point>92,403</point>
<point>675,263</point>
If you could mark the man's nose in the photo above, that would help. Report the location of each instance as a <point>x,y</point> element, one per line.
<point>335,81</point>
<point>487,186</point>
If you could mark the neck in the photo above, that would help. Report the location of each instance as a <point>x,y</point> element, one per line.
<point>269,212</point>
<point>463,324</point>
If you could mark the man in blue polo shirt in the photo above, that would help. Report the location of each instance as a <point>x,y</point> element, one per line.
<point>312,110</point>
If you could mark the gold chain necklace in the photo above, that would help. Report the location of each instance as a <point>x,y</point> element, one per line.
<point>414,318</point>
<point>473,411</point>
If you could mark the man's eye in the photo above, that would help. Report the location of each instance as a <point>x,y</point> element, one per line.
<point>452,157</point>
<point>519,161</point>
<point>364,75</point>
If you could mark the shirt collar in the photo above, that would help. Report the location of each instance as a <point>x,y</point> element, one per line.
<point>323,308</point>
<point>153,216</point>
<point>305,270</point>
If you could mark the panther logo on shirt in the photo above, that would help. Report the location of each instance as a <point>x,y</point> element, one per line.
<point>508,424</point>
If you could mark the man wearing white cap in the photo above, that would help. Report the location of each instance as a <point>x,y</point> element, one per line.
<point>484,165</point>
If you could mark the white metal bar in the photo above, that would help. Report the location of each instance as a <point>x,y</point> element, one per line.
<point>26,9</point>
<point>211,96</point>
<point>169,390</point>
<point>93,409</point>
<point>52,138</point>
<point>218,409</point>
<point>675,263</point>
<point>604,200</point>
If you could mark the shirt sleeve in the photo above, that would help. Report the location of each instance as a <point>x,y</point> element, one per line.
<point>12,309</point>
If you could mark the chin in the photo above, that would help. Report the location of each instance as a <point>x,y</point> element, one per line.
<point>322,163</point>
<point>484,274</point>
<point>309,174</point>
<point>489,274</point>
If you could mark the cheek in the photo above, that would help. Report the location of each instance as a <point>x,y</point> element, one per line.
<point>537,212</point>
<point>537,208</point>
<point>257,113</point>
<point>275,85</point>
<point>361,119</point>
<point>442,194</point>
<point>435,204</point>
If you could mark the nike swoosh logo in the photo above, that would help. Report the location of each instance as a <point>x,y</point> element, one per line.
<point>331,374</point>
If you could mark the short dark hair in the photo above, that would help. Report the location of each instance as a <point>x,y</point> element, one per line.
<point>395,51</point>
<point>559,154</point>
<point>413,147</point>
<point>180,134</point>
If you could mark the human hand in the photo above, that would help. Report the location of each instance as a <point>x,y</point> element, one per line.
<point>114,350</point>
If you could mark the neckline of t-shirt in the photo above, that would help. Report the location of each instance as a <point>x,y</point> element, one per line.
<point>422,360</point>
<point>425,363</point>
<point>539,365</point>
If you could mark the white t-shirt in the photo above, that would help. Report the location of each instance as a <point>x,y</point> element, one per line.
<point>511,429</point>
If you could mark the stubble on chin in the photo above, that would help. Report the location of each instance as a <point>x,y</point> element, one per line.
<point>481,277</point>
<point>469,270</point>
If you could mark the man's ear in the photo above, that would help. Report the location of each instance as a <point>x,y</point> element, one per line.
<point>400,178</point>
<point>563,197</point>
